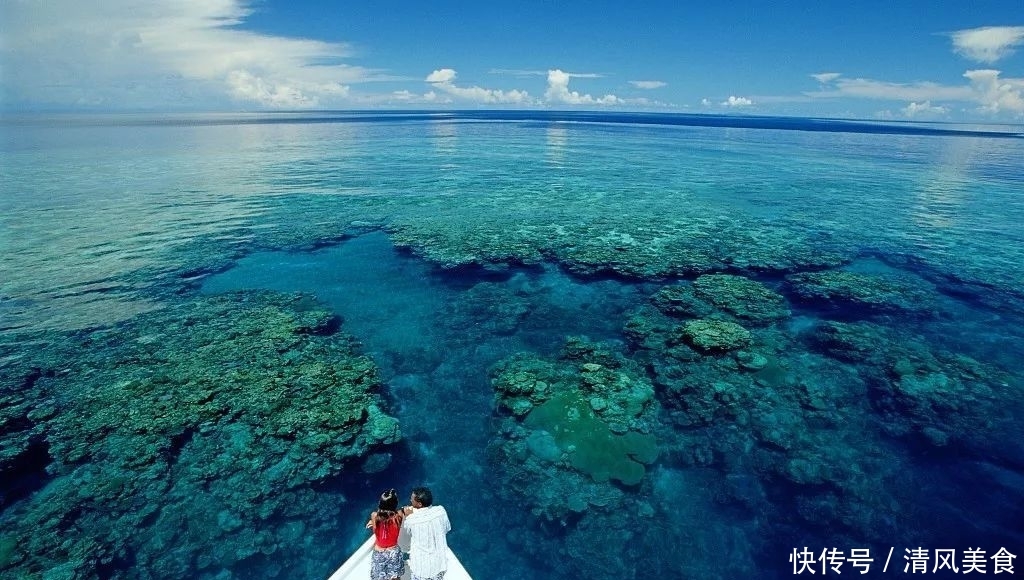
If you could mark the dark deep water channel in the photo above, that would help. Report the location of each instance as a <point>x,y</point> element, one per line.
<point>434,336</point>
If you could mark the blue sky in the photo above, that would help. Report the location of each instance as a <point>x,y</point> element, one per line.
<point>898,59</point>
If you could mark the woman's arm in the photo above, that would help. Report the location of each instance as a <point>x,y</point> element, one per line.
<point>371,521</point>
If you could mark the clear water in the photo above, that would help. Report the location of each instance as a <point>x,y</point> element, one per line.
<point>102,220</point>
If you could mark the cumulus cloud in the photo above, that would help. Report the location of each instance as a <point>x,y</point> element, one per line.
<point>825,78</point>
<point>994,94</point>
<point>987,44</point>
<point>648,84</point>
<point>924,109</point>
<point>734,101</point>
<point>443,80</point>
<point>444,75</point>
<point>120,53</point>
<point>245,86</point>
<point>558,92</point>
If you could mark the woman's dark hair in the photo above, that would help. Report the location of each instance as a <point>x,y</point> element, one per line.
<point>423,496</point>
<point>387,507</point>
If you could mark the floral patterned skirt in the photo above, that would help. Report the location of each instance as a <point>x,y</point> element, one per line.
<point>387,564</point>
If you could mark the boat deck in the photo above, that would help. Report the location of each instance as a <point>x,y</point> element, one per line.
<point>357,567</point>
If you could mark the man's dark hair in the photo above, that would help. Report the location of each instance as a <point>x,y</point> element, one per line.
<point>423,496</point>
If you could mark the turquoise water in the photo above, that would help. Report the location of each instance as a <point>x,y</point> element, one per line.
<point>464,252</point>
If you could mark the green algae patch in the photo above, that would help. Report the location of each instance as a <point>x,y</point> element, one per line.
<point>574,435</point>
<point>590,444</point>
<point>618,394</point>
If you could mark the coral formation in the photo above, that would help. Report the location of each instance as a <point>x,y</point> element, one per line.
<point>741,297</point>
<point>840,288</point>
<point>709,335</point>
<point>641,244</point>
<point>587,418</point>
<point>189,440</point>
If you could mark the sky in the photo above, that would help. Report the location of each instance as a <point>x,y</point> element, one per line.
<point>895,59</point>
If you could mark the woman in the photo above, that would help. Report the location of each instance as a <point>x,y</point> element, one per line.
<point>386,562</point>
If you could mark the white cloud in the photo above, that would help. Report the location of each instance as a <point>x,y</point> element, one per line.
<point>517,72</point>
<point>406,96</point>
<point>705,102</point>
<point>245,86</point>
<point>827,77</point>
<point>444,75</point>
<point>987,44</point>
<point>733,101</point>
<point>986,88</point>
<point>994,94</point>
<point>924,109</point>
<point>648,84</point>
<point>120,53</point>
<point>442,79</point>
<point>558,91</point>
<point>872,89</point>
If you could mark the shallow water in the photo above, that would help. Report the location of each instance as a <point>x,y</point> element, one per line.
<point>516,235</point>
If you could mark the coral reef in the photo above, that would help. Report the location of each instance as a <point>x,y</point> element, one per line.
<point>638,243</point>
<point>523,382</point>
<point>491,308</point>
<point>741,297</point>
<point>585,416</point>
<point>839,288</point>
<point>709,335</point>
<point>855,342</point>
<point>797,430</point>
<point>941,397</point>
<point>681,301</point>
<point>188,442</point>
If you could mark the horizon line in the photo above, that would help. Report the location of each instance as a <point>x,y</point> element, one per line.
<point>639,117</point>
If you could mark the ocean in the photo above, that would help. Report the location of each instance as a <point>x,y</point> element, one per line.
<point>613,345</point>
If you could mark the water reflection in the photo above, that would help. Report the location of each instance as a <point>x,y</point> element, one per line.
<point>558,140</point>
<point>444,136</point>
<point>938,200</point>
<point>83,220</point>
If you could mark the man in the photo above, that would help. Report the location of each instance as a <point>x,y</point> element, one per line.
<point>423,536</point>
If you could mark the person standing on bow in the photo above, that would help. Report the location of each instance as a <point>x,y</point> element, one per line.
<point>423,535</point>
<point>386,562</point>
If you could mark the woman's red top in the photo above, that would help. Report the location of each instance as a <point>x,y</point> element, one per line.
<point>386,532</point>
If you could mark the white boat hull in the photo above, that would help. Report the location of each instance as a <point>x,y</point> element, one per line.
<point>357,567</point>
